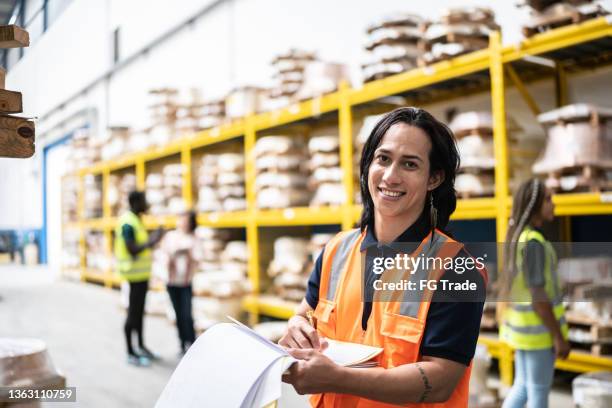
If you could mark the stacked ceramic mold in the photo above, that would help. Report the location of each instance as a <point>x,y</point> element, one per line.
<point>392,45</point>
<point>549,14</point>
<point>244,101</point>
<point>119,188</point>
<point>459,31</point>
<point>221,281</point>
<point>164,114</point>
<point>164,190</point>
<point>116,143</point>
<point>281,179</point>
<point>221,183</point>
<point>292,264</point>
<point>289,268</point>
<point>92,196</point>
<point>211,113</point>
<point>188,114</point>
<point>289,76</point>
<point>70,187</point>
<point>578,153</point>
<point>359,141</point>
<point>326,174</point>
<point>84,150</point>
<point>474,134</point>
<point>96,258</point>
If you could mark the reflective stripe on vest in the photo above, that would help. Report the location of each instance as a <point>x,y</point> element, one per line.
<point>138,268</point>
<point>412,298</point>
<point>339,261</point>
<point>522,327</point>
<point>393,325</point>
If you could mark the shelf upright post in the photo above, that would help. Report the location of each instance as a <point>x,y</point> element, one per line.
<point>81,218</point>
<point>345,125</point>
<point>106,214</point>
<point>186,164</point>
<point>500,140</point>
<point>500,144</point>
<point>140,173</point>
<point>252,234</point>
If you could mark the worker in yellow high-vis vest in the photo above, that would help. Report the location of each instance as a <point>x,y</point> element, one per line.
<point>133,259</point>
<point>533,321</point>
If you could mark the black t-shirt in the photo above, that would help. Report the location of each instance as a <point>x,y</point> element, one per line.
<point>452,327</point>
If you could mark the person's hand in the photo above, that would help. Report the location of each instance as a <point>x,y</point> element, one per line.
<point>156,236</point>
<point>301,335</point>
<point>562,347</point>
<point>314,372</point>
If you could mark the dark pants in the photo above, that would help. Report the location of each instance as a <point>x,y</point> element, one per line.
<point>181,301</point>
<point>136,308</point>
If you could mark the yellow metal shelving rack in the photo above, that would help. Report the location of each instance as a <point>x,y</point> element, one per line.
<point>556,53</point>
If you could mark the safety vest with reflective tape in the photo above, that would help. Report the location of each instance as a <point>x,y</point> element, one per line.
<point>138,268</point>
<point>522,328</point>
<point>395,324</point>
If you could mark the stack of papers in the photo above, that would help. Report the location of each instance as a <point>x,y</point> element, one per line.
<point>230,365</point>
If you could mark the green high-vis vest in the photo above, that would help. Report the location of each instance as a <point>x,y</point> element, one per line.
<point>522,328</point>
<point>138,268</point>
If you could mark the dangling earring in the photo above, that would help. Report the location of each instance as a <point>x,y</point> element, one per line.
<point>433,212</point>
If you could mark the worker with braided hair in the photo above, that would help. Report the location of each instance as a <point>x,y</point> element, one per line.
<point>532,315</point>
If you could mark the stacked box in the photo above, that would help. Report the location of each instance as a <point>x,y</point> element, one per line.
<point>326,174</point>
<point>281,166</point>
<point>474,134</point>
<point>164,190</point>
<point>578,153</point>
<point>221,183</point>
<point>549,14</point>
<point>459,31</point>
<point>392,45</point>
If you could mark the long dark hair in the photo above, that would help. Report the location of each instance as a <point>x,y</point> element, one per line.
<point>527,201</point>
<point>443,156</point>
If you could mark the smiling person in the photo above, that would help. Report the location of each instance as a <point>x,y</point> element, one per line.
<point>407,174</point>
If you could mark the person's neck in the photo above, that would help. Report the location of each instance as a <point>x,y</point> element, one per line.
<point>536,223</point>
<point>387,229</point>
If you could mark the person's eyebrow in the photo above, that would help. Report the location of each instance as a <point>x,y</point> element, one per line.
<point>405,156</point>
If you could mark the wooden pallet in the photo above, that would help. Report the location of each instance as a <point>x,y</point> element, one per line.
<point>599,333</point>
<point>559,20</point>
<point>590,178</point>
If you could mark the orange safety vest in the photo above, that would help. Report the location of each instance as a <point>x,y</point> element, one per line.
<point>396,325</point>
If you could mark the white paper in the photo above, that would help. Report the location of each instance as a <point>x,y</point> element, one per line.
<point>348,354</point>
<point>219,370</point>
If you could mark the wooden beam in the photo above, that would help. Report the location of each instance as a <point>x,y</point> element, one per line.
<point>16,137</point>
<point>12,36</point>
<point>10,101</point>
<point>2,78</point>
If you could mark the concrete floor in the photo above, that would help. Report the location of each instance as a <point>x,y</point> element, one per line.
<point>82,326</point>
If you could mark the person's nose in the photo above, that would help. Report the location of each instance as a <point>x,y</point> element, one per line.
<point>391,175</point>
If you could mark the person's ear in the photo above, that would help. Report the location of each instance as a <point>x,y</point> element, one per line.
<point>435,180</point>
